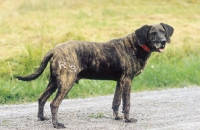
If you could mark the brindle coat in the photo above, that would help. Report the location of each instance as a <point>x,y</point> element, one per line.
<point>118,59</point>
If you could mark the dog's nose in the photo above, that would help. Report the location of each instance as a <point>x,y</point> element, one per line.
<point>163,41</point>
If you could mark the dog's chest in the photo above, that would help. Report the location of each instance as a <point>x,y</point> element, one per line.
<point>141,63</point>
<point>140,69</point>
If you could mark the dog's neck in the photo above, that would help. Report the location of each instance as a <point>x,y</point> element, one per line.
<point>145,47</point>
<point>141,52</point>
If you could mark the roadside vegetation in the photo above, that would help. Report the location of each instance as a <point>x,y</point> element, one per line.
<point>28,29</point>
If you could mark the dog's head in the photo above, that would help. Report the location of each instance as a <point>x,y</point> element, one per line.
<point>154,37</point>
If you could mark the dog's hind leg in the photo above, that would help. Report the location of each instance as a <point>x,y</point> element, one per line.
<point>65,81</point>
<point>117,101</point>
<point>51,88</point>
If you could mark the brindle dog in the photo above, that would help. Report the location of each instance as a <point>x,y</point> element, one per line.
<point>119,59</point>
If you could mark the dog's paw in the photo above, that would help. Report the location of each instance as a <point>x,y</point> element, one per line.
<point>59,126</point>
<point>130,120</point>
<point>43,118</point>
<point>118,118</point>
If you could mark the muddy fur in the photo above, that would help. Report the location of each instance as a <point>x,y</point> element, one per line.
<point>119,59</point>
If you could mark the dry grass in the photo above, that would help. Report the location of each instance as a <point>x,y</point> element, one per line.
<point>50,22</point>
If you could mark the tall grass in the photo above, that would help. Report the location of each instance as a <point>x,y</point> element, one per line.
<point>30,28</point>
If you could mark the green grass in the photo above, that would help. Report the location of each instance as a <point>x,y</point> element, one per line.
<point>98,115</point>
<point>28,29</point>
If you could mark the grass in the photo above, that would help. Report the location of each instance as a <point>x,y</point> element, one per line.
<point>28,29</point>
<point>98,115</point>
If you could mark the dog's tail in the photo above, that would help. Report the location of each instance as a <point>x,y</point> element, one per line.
<point>39,70</point>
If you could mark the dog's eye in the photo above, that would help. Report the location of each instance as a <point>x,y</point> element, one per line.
<point>163,32</point>
<point>153,38</point>
<point>153,33</point>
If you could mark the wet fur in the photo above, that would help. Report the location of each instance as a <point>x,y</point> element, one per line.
<point>118,59</point>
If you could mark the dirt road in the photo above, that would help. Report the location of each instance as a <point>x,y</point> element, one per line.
<point>173,109</point>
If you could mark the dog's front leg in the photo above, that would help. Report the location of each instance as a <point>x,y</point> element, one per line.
<point>117,101</point>
<point>126,83</point>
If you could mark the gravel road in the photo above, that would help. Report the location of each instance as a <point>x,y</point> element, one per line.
<point>173,109</point>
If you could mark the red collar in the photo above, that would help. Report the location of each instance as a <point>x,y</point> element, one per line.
<point>145,48</point>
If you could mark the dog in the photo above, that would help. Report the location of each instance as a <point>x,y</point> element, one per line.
<point>119,59</point>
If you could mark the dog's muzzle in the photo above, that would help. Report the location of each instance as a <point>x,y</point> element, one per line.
<point>161,46</point>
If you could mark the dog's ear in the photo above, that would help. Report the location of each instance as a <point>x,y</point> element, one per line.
<point>169,31</point>
<point>142,35</point>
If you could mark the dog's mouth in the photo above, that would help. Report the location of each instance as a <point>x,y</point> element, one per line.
<point>160,49</point>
